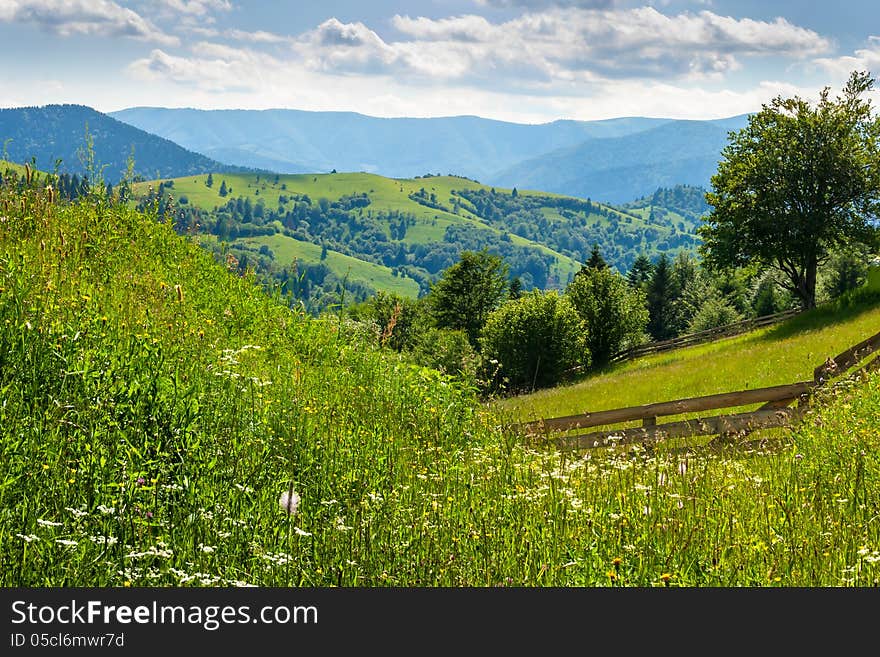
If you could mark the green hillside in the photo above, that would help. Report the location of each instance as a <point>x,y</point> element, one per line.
<point>775,355</point>
<point>413,228</point>
<point>156,406</point>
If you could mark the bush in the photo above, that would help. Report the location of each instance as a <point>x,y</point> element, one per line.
<point>716,311</point>
<point>450,352</point>
<point>531,342</point>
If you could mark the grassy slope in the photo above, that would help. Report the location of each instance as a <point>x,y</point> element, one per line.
<point>773,356</point>
<point>146,434</point>
<point>385,194</point>
<point>286,250</point>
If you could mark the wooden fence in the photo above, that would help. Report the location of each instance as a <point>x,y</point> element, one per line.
<point>776,410</point>
<point>705,336</point>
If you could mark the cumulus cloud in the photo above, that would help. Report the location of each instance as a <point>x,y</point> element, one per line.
<point>85,17</point>
<point>541,4</point>
<point>196,7</point>
<point>559,45</point>
<point>864,59</point>
<point>217,68</point>
<point>567,56</point>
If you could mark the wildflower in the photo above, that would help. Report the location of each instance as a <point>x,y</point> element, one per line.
<point>301,532</point>
<point>77,513</point>
<point>48,523</point>
<point>28,538</point>
<point>141,481</point>
<point>616,562</point>
<point>612,575</point>
<point>289,501</point>
<point>106,510</point>
<point>799,456</point>
<point>207,549</point>
<point>66,542</point>
<point>665,577</point>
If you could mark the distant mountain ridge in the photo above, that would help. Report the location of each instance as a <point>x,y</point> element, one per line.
<point>640,154</point>
<point>57,132</point>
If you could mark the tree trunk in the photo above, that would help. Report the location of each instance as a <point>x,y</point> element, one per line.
<point>810,283</point>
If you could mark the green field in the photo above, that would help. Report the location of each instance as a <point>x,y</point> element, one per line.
<point>287,249</point>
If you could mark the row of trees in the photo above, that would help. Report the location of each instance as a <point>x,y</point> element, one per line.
<point>480,325</point>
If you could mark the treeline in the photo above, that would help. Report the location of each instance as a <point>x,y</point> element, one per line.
<point>622,234</point>
<point>478,325</point>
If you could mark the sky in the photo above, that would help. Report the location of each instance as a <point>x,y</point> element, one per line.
<point>527,61</point>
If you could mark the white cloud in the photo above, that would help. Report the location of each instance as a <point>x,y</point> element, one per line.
<point>196,7</point>
<point>540,4</point>
<point>85,17</point>
<point>864,59</point>
<point>560,45</point>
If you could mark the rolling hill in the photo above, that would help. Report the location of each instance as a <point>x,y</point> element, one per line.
<point>376,233</point>
<point>155,408</point>
<point>58,132</point>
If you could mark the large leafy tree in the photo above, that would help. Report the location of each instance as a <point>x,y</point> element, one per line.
<point>468,291</point>
<point>797,181</point>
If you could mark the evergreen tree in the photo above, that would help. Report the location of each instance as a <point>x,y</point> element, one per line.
<point>468,291</point>
<point>223,190</point>
<point>660,300</point>
<point>595,261</point>
<point>515,291</point>
<point>210,181</point>
<point>640,272</point>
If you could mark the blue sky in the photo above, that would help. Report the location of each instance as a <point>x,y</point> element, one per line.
<point>518,60</point>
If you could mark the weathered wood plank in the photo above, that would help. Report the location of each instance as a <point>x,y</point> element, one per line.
<point>846,359</point>
<point>721,424</point>
<point>676,407</point>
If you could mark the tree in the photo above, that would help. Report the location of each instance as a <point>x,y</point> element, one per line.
<point>613,312</point>
<point>531,342</point>
<point>223,190</point>
<point>797,181</point>
<point>515,291</point>
<point>210,181</point>
<point>660,300</point>
<point>640,272</point>
<point>715,311</point>
<point>468,291</point>
<point>596,261</point>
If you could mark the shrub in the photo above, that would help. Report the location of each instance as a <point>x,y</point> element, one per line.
<point>531,342</point>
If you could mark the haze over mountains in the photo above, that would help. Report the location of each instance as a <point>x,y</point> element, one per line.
<point>614,160</point>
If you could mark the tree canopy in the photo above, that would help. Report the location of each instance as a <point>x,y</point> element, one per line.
<point>797,181</point>
<point>468,291</point>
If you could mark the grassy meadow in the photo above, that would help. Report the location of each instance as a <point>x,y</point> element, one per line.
<point>775,355</point>
<point>154,407</point>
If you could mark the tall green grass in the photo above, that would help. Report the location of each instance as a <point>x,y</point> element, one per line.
<point>154,406</point>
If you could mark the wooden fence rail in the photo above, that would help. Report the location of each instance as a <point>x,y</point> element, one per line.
<point>700,337</point>
<point>775,411</point>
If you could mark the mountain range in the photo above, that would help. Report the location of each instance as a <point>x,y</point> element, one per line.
<point>58,132</point>
<point>614,160</point>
